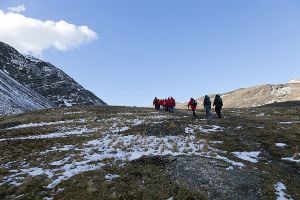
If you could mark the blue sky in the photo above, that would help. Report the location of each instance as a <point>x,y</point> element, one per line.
<point>173,47</point>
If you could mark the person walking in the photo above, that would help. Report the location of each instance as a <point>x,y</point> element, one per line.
<point>161,103</point>
<point>156,103</point>
<point>172,104</point>
<point>193,104</point>
<point>207,105</point>
<point>166,105</point>
<point>218,104</point>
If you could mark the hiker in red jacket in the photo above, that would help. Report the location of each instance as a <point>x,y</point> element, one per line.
<point>161,103</point>
<point>193,104</point>
<point>172,104</point>
<point>166,105</point>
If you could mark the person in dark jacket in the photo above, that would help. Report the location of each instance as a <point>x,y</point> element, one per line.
<point>207,105</point>
<point>156,103</point>
<point>218,104</point>
<point>193,104</point>
<point>166,105</point>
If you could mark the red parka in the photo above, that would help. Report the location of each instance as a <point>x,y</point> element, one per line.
<point>191,104</point>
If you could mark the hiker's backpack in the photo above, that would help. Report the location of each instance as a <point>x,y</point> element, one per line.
<point>207,101</point>
<point>194,103</point>
<point>219,101</point>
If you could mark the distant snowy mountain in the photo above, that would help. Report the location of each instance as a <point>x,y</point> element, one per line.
<point>295,81</point>
<point>258,95</point>
<point>16,98</point>
<point>45,79</point>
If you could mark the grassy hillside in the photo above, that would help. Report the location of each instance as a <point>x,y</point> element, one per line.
<point>138,153</point>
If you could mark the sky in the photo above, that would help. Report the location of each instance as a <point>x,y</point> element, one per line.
<point>129,51</point>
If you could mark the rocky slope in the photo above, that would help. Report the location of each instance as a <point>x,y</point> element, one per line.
<point>258,95</point>
<point>16,98</point>
<point>44,78</point>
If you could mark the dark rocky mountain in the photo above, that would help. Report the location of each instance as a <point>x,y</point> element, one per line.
<point>45,79</point>
<point>16,98</point>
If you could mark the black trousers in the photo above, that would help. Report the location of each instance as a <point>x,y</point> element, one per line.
<point>194,113</point>
<point>218,110</point>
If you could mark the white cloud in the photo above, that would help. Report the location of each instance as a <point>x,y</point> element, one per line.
<point>17,9</point>
<point>33,36</point>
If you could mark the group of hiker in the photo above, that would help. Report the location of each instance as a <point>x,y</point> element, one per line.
<point>169,105</point>
<point>218,104</point>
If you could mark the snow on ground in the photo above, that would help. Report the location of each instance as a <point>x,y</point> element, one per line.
<point>67,103</point>
<point>72,113</point>
<point>251,156</point>
<point>213,128</point>
<point>280,192</point>
<point>282,145</point>
<point>54,135</point>
<point>112,144</point>
<point>118,147</point>
<point>260,115</point>
<point>110,177</point>
<point>288,123</point>
<point>295,158</point>
<point>188,130</point>
<point>31,125</point>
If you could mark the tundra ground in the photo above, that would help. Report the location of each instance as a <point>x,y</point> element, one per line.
<point>138,153</point>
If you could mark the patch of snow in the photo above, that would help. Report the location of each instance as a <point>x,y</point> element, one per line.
<point>216,142</point>
<point>213,128</point>
<point>60,162</point>
<point>171,198</point>
<point>67,103</point>
<point>54,135</point>
<point>64,148</point>
<point>155,117</point>
<point>239,164</point>
<point>229,168</point>
<point>119,130</point>
<point>251,156</point>
<point>110,177</point>
<point>127,113</point>
<point>188,130</point>
<point>294,81</point>
<point>260,115</point>
<point>31,125</point>
<point>280,145</point>
<point>295,158</point>
<point>280,192</point>
<point>239,127</point>
<point>71,113</point>
<point>294,122</point>
<point>48,198</point>
<point>73,169</point>
<point>135,122</point>
<point>6,71</point>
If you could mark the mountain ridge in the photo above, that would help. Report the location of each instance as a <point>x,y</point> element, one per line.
<point>257,95</point>
<point>46,79</point>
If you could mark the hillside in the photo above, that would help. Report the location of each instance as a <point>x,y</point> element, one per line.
<point>257,96</point>
<point>16,98</point>
<point>44,78</point>
<point>137,153</point>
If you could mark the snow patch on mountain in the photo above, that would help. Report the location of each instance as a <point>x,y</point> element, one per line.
<point>16,98</point>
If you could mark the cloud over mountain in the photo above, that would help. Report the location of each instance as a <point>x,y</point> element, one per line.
<point>33,36</point>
